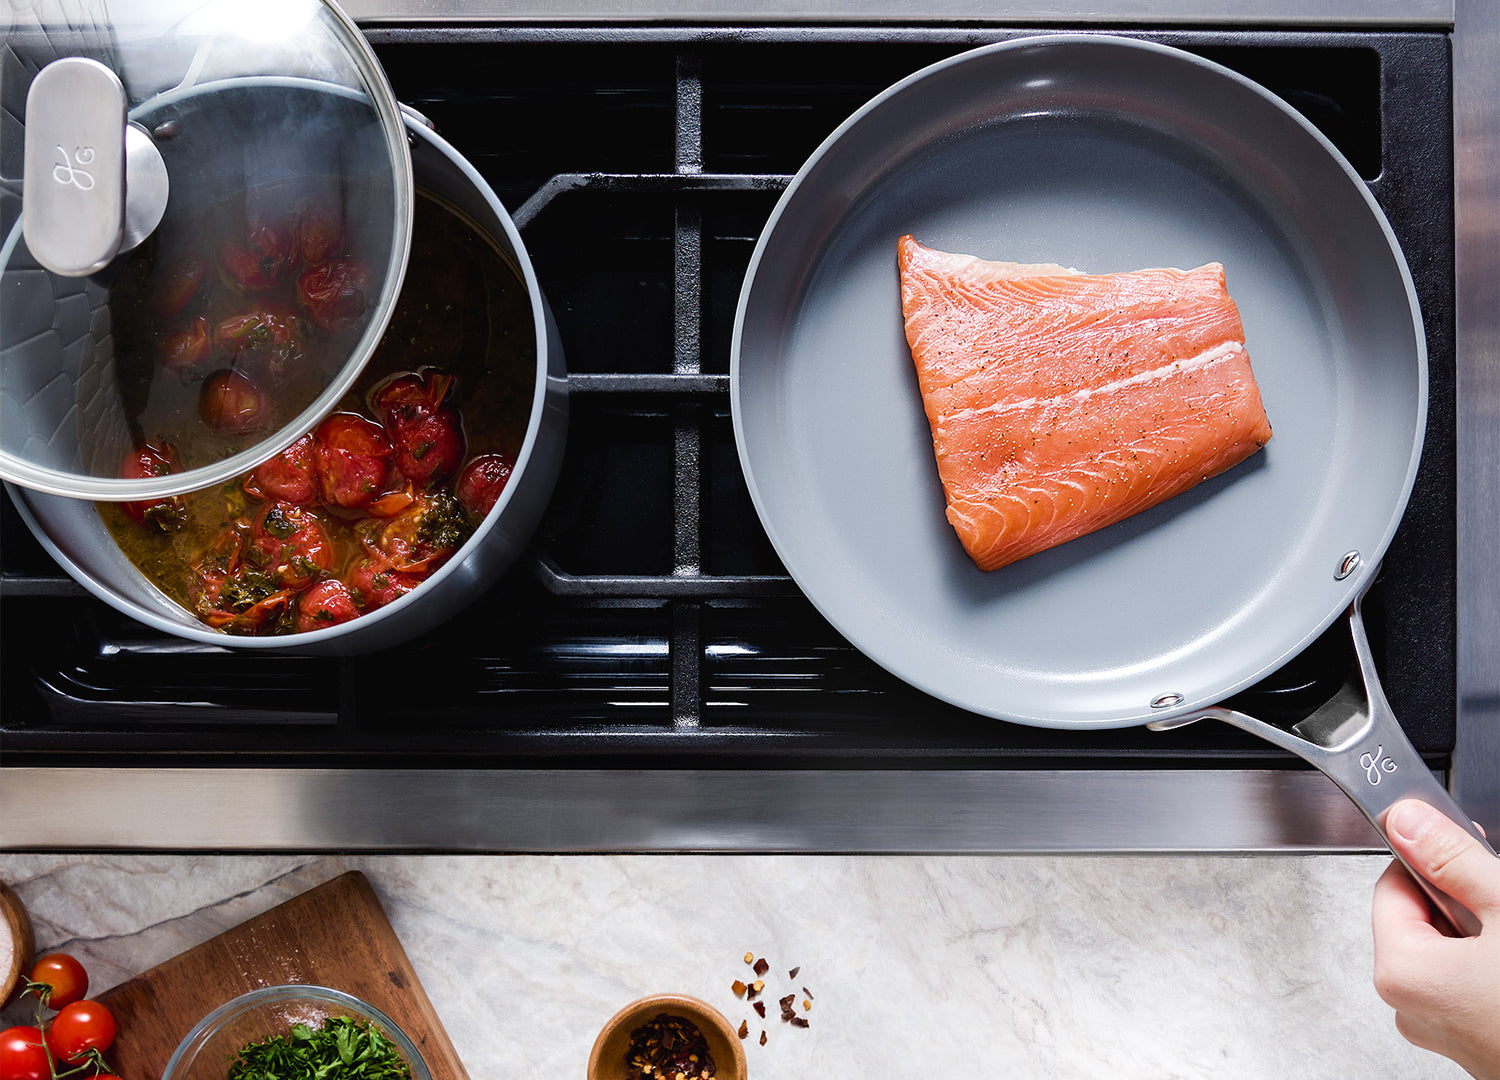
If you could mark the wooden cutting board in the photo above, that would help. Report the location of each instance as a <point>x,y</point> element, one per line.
<point>334,935</point>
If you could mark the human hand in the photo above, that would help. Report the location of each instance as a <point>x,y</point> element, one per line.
<point>1446,991</point>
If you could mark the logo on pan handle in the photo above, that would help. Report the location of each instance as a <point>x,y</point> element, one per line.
<point>70,170</point>
<point>1375,764</point>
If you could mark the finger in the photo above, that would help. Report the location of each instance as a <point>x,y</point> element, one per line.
<point>1446,855</point>
<point>1404,938</point>
<point>1399,906</point>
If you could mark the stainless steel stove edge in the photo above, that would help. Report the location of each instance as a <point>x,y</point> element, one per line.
<point>1278,13</point>
<point>1476,127</point>
<point>730,810</point>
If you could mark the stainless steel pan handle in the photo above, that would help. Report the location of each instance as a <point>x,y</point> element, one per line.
<point>1356,740</point>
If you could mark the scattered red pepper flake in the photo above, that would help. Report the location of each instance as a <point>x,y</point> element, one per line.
<point>761,965</point>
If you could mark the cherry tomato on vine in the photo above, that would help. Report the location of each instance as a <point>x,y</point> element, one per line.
<point>22,1056</point>
<point>66,977</point>
<point>80,1027</point>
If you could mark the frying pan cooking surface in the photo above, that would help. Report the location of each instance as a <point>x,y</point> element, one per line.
<point>1103,154</point>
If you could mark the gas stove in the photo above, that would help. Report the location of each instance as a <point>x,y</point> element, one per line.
<point>648,677</point>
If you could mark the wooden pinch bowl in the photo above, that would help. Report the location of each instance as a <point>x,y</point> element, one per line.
<point>607,1061</point>
<point>20,944</point>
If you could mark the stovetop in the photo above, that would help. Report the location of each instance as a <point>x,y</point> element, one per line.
<point>649,651</point>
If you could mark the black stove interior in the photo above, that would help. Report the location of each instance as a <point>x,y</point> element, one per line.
<point>651,622</point>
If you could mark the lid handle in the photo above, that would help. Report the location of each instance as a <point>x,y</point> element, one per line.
<point>74,215</point>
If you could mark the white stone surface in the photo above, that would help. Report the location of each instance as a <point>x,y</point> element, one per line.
<point>1122,967</point>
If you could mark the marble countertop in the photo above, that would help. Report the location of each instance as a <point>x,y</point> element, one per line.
<point>1154,967</point>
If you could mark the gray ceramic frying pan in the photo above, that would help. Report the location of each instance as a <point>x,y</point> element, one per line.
<point>1105,154</point>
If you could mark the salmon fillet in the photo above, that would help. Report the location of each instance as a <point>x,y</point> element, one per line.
<point>1062,402</point>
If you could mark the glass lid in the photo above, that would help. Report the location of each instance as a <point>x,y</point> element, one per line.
<point>205,216</point>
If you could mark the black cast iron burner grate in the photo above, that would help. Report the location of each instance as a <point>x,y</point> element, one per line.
<point>652,622</point>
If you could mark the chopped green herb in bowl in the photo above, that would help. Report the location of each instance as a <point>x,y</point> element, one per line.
<point>296,1033</point>
<point>341,1049</point>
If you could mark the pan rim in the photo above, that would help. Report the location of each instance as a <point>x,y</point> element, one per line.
<point>1199,697</point>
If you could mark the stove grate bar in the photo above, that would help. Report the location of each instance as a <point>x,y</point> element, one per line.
<point>674,183</point>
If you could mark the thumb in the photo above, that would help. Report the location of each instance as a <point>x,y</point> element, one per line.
<point>1442,852</point>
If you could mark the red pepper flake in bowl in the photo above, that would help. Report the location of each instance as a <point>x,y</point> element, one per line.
<point>667,1047</point>
<point>761,966</point>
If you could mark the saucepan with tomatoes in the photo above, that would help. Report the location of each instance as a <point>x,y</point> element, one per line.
<point>385,515</point>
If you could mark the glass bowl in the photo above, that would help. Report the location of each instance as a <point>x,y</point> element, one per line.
<point>207,1050</point>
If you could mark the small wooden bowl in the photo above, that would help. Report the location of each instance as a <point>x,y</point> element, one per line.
<point>20,944</point>
<point>607,1062</point>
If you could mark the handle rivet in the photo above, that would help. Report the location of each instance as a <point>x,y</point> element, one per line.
<point>1347,565</point>
<point>1166,701</point>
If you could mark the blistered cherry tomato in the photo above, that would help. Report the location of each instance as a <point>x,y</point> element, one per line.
<point>320,233</point>
<point>480,484</point>
<point>215,567</point>
<point>80,1027</point>
<point>327,603</point>
<point>430,449</point>
<point>228,592</point>
<point>407,399</point>
<point>291,476</point>
<point>254,618</point>
<point>264,256</point>
<point>232,403</point>
<point>373,583</point>
<point>266,341</point>
<point>184,350</point>
<point>427,434</point>
<point>22,1056</point>
<point>333,293</point>
<point>290,545</point>
<point>420,538</point>
<point>149,460</point>
<point>65,976</point>
<point>352,453</point>
<point>175,284</point>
